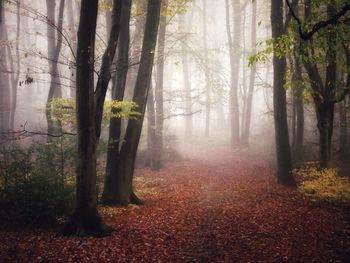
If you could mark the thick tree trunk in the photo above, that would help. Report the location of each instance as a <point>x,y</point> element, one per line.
<point>284,163</point>
<point>325,113</point>
<point>115,127</point>
<point>86,219</point>
<point>125,193</point>
<point>249,104</point>
<point>156,164</point>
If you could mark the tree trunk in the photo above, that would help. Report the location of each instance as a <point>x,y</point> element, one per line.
<point>186,79</point>
<point>343,112</point>
<point>151,128</point>
<point>54,49</point>
<point>234,48</point>
<point>125,193</point>
<point>86,219</point>
<point>73,44</point>
<point>115,127</point>
<point>284,163</point>
<point>156,163</point>
<point>206,71</point>
<point>5,97</point>
<point>249,104</point>
<point>299,108</point>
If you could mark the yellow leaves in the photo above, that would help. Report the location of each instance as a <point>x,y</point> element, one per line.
<point>324,184</point>
<point>64,109</point>
<point>107,211</point>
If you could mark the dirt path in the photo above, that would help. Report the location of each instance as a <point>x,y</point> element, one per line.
<point>218,206</point>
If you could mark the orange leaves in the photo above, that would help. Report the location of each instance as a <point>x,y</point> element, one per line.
<point>225,210</point>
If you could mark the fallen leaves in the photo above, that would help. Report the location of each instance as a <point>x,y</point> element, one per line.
<point>219,208</point>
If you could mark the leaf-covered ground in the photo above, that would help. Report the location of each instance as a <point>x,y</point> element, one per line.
<point>217,206</point>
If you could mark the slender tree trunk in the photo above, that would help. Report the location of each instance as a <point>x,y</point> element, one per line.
<point>299,107</point>
<point>125,193</point>
<point>136,44</point>
<point>5,93</point>
<point>343,114</point>
<point>234,47</point>
<point>206,71</point>
<point>86,219</point>
<point>73,44</point>
<point>284,163</point>
<point>54,49</point>
<point>158,147</point>
<point>106,66</point>
<point>186,79</point>
<point>115,127</point>
<point>15,76</point>
<point>151,128</point>
<point>249,104</point>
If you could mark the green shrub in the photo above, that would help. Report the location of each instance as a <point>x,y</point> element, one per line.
<point>33,189</point>
<point>323,184</point>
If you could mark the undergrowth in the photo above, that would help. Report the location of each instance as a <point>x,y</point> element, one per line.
<point>323,185</point>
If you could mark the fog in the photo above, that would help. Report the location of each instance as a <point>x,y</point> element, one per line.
<point>198,80</point>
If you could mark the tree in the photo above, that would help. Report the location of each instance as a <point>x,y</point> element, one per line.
<point>156,163</point>
<point>284,163</point>
<point>234,46</point>
<point>115,128</point>
<point>86,219</point>
<point>54,49</point>
<point>125,193</point>
<point>249,100</point>
<point>5,91</point>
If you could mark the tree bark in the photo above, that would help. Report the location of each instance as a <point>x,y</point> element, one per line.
<point>125,193</point>
<point>206,71</point>
<point>5,93</point>
<point>54,49</point>
<point>186,79</point>
<point>156,163</point>
<point>284,163</point>
<point>249,104</point>
<point>86,219</point>
<point>107,61</point>
<point>234,48</point>
<point>115,127</point>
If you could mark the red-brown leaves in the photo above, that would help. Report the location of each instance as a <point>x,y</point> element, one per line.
<point>225,210</point>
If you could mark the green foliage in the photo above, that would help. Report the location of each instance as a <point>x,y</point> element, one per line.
<point>282,47</point>
<point>33,188</point>
<point>323,184</point>
<point>64,111</point>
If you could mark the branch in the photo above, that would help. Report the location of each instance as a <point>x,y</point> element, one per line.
<point>182,114</point>
<point>10,135</point>
<point>322,24</point>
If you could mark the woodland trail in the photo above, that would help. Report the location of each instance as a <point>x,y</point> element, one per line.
<point>217,206</point>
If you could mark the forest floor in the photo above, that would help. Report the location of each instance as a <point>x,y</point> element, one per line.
<point>216,206</point>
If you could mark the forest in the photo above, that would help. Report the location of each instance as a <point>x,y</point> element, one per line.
<point>174,131</point>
